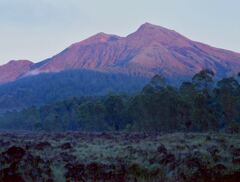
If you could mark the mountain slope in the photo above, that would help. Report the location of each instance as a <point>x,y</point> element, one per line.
<point>146,52</point>
<point>51,87</point>
<point>13,70</point>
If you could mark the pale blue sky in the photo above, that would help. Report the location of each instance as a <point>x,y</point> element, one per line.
<point>37,29</point>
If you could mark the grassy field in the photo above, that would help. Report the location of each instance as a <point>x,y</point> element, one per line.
<point>119,157</point>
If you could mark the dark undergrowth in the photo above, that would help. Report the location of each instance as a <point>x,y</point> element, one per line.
<point>114,157</point>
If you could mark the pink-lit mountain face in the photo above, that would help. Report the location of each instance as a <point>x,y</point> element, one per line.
<point>13,70</point>
<point>148,51</point>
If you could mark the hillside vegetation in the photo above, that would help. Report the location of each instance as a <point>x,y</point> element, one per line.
<point>197,106</point>
<point>52,87</point>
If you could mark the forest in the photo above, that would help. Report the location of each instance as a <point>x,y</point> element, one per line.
<point>200,105</point>
<point>48,88</point>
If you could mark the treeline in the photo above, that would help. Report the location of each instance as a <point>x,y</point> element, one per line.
<point>53,87</point>
<point>197,106</point>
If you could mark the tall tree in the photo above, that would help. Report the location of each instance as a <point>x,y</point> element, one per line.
<point>228,95</point>
<point>114,108</point>
<point>203,81</point>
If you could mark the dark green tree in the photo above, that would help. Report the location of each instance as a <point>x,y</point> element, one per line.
<point>228,96</point>
<point>203,81</point>
<point>114,111</point>
<point>92,116</point>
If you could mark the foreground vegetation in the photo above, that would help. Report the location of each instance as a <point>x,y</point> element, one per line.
<point>198,106</point>
<point>119,157</point>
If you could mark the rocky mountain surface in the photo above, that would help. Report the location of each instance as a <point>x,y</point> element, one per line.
<point>13,70</point>
<point>148,51</point>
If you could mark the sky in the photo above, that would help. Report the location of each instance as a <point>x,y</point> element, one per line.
<point>36,30</point>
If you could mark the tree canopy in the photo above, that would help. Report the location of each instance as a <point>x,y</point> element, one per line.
<point>196,106</point>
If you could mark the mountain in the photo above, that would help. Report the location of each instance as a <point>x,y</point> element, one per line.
<point>107,63</point>
<point>13,70</point>
<point>148,51</point>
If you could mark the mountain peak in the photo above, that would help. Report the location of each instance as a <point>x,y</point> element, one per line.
<point>24,61</point>
<point>149,34</point>
<point>148,25</point>
<point>100,37</point>
<point>151,27</point>
<point>13,70</point>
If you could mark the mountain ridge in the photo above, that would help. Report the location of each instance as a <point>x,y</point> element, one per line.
<point>150,50</point>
